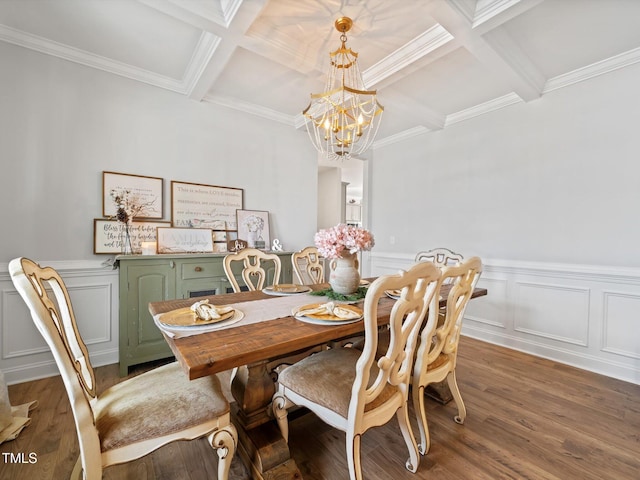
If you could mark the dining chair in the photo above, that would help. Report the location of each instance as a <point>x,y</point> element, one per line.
<point>438,344</point>
<point>254,274</point>
<point>440,256</point>
<point>134,417</point>
<point>308,266</point>
<point>352,390</point>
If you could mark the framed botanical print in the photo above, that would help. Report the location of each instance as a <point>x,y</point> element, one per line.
<point>144,194</point>
<point>253,228</point>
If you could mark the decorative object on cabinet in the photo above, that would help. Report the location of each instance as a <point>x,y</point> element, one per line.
<point>343,120</point>
<point>145,279</point>
<point>194,205</point>
<point>236,245</point>
<point>185,240</point>
<point>276,246</point>
<point>107,235</point>
<point>253,227</point>
<point>142,191</point>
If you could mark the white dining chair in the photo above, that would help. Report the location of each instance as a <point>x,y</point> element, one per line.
<point>438,345</point>
<point>308,266</point>
<point>134,417</point>
<point>352,390</point>
<point>442,257</point>
<point>253,271</point>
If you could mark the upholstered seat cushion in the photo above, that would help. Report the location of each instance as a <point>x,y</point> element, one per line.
<point>327,378</point>
<point>157,403</point>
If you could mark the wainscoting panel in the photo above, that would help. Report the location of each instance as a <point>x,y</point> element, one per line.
<point>552,311</point>
<point>490,310</point>
<point>582,315</point>
<point>618,336</point>
<point>93,289</point>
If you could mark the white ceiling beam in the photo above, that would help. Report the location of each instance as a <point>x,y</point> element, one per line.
<point>495,50</point>
<point>406,55</point>
<point>220,40</point>
<point>234,38</point>
<point>490,14</point>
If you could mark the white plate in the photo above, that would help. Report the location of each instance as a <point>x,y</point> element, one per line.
<point>318,321</point>
<point>298,290</point>
<point>237,316</point>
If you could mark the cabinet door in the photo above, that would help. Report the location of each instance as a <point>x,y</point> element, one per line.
<point>140,339</point>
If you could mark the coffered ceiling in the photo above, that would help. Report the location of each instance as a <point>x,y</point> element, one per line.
<point>434,62</point>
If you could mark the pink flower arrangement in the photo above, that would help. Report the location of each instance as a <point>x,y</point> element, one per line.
<point>332,242</point>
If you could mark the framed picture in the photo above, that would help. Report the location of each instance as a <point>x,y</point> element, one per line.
<point>204,206</point>
<point>184,240</point>
<point>144,192</point>
<point>108,235</point>
<point>253,228</point>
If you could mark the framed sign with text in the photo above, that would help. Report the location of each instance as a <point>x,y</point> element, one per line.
<point>194,205</point>
<point>108,235</point>
<point>185,240</point>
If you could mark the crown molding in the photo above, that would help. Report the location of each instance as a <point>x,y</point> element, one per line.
<point>487,9</point>
<point>221,12</point>
<point>599,68</point>
<point>207,45</point>
<point>251,108</point>
<point>481,109</point>
<point>400,137</point>
<point>409,53</point>
<point>65,52</point>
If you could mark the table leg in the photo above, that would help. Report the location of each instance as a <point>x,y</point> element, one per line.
<point>261,445</point>
<point>439,392</point>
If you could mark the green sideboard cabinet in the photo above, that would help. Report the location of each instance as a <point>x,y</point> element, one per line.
<point>153,278</point>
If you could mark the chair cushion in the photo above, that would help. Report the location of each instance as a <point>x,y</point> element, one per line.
<point>157,403</point>
<point>438,362</point>
<point>327,377</point>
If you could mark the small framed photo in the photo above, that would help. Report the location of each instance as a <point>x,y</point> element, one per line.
<point>184,240</point>
<point>142,192</point>
<point>253,228</point>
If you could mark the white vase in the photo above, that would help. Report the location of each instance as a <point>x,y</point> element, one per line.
<point>251,239</point>
<point>344,277</point>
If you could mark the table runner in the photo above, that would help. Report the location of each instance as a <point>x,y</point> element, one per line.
<point>254,312</point>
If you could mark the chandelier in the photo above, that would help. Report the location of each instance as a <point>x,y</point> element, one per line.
<point>343,120</point>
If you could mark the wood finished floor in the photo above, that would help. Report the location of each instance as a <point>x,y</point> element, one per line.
<point>527,418</point>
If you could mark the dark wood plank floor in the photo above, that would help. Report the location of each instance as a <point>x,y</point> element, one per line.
<point>527,418</point>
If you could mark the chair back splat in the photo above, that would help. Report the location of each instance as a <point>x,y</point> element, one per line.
<point>442,257</point>
<point>253,273</point>
<point>128,420</point>
<point>308,266</point>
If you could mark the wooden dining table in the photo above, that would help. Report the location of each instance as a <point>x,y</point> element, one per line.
<point>258,351</point>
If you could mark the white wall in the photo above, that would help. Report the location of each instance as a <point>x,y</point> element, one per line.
<point>552,180</point>
<point>553,183</point>
<point>330,204</point>
<point>62,125</point>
